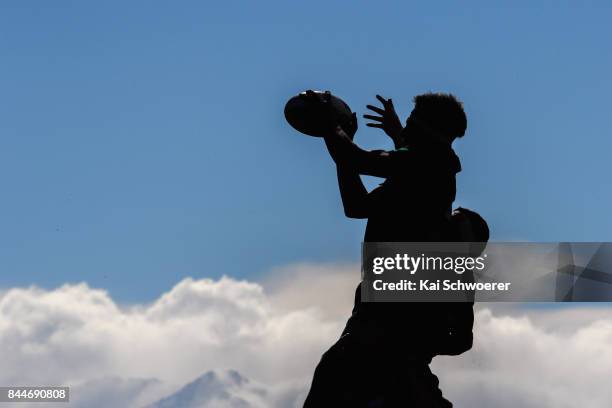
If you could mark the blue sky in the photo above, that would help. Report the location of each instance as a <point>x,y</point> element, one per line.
<point>143,142</point>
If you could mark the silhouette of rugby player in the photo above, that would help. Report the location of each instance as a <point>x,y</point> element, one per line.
<point>382,358</point>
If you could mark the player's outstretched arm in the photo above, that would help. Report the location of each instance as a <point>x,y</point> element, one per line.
<point>352,191</point>
<point>343,150</point>
<point>355,199</point>
<point>348,155</point>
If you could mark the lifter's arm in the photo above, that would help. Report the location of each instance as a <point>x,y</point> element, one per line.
<point>457,337</point>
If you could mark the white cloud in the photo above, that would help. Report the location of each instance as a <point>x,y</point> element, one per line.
<point>327,288</point>
<point>525,360</point>
<point>75,333</point>
<point>274,333</point>
<point>116,392</point>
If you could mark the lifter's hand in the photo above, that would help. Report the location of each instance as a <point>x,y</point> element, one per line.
<point>388,119</point>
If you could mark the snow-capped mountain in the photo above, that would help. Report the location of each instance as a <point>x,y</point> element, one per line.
<point>227,389</point>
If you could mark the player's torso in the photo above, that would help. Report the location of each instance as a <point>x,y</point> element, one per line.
<point>413,209</point>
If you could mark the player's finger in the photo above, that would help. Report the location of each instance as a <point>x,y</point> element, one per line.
<point>354,122</point>
<point>376,118</point>
<point>310,94</point>
<point>376,125</point>
<point>382,100</point>
<point>375,109</point>
<point>317,97</point>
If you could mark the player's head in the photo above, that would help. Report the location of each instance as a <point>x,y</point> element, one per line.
<point>469,226</point>
<point>436,115</point>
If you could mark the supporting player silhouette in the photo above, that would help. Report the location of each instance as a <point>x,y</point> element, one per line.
<point>382,358</point>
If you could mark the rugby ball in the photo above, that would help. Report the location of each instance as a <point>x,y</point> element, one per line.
<point>305,114</point>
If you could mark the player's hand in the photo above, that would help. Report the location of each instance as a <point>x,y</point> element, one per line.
<point>325,110</point>
<point>351,128</point>
<point>388,119</point>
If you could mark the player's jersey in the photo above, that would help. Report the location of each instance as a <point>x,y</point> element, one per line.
<point>414,205</point>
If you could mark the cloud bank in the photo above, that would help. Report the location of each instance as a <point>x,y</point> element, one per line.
<point>271,335</point>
